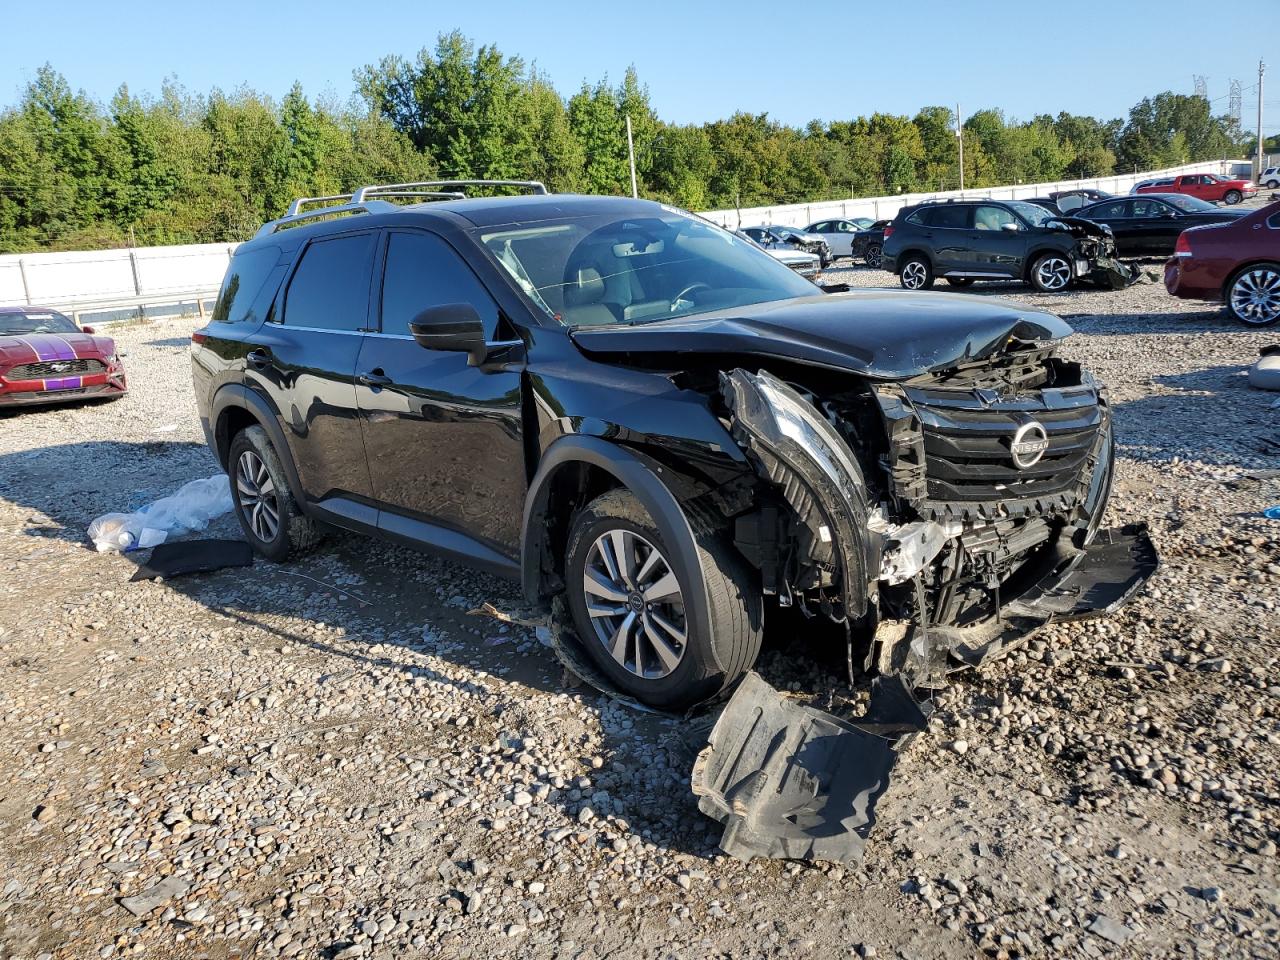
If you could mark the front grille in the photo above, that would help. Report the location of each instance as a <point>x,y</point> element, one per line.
<point>968,453</point>
<point>46,369</point>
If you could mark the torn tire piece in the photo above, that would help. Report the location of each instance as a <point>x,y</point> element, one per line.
<point>179,557</point>
<point>789,781</point>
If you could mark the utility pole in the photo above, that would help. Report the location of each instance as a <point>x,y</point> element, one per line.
<point>631,153</point>
<point>1257,170</point>
<point>960,140</point>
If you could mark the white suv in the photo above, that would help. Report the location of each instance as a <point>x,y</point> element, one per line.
<point>1270,178</point>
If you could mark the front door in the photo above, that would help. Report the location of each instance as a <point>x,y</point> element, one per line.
<point>304,362</point>
<point>998,242</point>
<point>443,439</point>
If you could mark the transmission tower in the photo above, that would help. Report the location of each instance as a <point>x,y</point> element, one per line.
<point>1233,104</point>
<point>1202,85</point>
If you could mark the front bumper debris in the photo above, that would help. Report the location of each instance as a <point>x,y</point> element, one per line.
<point>1094,583</point>
<point>788,781</point>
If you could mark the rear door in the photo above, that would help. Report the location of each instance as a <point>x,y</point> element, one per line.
<point>444,439</point>
<point>948,234</point>
<point>304,361</point>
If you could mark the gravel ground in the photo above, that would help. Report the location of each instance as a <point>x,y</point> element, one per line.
<point>334,759</point>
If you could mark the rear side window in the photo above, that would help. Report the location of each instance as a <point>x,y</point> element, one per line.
<point>1110,211</point>
<point>249,286</point>
<point>947,216</point>
<point>330,288</point>
<point>423,271</point>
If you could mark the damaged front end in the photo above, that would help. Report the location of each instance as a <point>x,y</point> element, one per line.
<point>948,515</point>
<point>1095,254</point>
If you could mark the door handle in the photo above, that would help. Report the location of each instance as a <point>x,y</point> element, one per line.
<point>259,358</point>
<point>375,378</point>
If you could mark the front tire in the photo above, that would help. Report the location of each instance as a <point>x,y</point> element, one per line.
<point>916,273</point>
<point>269,516</point>
<point>1253,295</point>
<point>1051,273</point>
<point>1232,197</point>
<point>635,616</point>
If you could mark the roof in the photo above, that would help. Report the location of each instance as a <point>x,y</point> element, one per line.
<point>28,308</point>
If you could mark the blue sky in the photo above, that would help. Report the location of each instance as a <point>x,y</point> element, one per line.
<point>701,60</point>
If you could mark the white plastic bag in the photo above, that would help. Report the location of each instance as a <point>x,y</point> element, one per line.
<point>191,508</point>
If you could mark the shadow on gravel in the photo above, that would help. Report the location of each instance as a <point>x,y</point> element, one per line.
<point>169,342</point>
<point>73,483</point>
<point>1215,417</point>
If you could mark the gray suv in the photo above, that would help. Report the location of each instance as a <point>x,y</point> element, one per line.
<point>967,240</point>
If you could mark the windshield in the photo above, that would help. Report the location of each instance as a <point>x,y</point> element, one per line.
<point>42,321</point>
<point>1188,204</point>
<point>1032,213</point>
<point>592,271</point>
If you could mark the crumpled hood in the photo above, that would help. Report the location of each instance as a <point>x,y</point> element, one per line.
<point>883,334</point>
<point>32,347</point>
<point>1078,226</point>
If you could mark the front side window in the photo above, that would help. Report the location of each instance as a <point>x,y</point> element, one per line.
<point>36,321</point>
<point>423,271</point>
<point>1034,214</point>
<point>823,227</point>
<point>1148,208</point>
<point>603,269</point>
<point>992,218</point>
<point>330,288</point>
<point>1190,204</point>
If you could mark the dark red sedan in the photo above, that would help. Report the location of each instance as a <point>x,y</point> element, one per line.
<point>46,358</point>
<point>1238,263</point>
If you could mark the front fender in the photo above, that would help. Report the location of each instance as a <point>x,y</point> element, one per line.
<point>631,472</point>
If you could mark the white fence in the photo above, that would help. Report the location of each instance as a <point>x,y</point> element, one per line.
<point>103,279</point>
<point>114,278</point>
<point>883,208</point>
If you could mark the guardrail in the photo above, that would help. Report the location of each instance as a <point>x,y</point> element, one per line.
<point>199,302</point>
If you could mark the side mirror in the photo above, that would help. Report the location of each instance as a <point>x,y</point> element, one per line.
<point>455,327</point>
<point>89,330</point>
<point>1011,227</point>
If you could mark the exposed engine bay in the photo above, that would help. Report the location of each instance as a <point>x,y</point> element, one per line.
<point>921,511</point>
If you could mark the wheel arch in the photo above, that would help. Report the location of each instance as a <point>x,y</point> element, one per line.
<point>907,254</point>
<point>574,470</point>
<point>1235,274</point>
<point>236,407</point>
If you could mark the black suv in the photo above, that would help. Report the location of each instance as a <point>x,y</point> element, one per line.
<point>967,240</point>
<point>630,409</point>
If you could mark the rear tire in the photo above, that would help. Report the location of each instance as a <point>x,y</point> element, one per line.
<point>915,273</point>
<point>269,516</point>
<point>1272,184</point>
<point>872,256</point>
<point>635,621</point>
<point>1232,197</point>
<point>1253,294</point>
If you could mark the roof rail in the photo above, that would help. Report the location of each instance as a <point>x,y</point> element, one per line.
<point>372,206</point>
<point>295,208</point>
<point>423,188</point>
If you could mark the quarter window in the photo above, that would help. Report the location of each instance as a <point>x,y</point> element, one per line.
<point>330,288</point>
<point>423,271</point>
<point>246,293</point>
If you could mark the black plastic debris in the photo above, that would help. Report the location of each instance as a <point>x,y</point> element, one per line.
<point>193,556</point>
<point>789,781</point>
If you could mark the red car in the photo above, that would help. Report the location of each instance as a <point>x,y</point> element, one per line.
<point>1206,186</point>
<point>1237,262</point>
<point>46,358</point>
